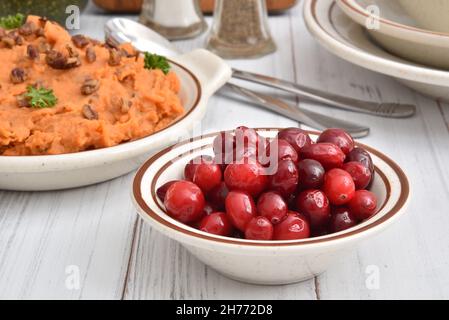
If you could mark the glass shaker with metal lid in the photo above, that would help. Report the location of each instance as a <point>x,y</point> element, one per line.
<point>174,19</point>
<point>240,29</point>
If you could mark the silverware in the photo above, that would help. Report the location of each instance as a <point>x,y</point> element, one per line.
<point>390,110</point>
<point>309,118</point>
<point>120,30</point>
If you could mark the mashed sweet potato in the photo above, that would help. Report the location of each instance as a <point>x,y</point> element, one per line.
<point>104,94</point>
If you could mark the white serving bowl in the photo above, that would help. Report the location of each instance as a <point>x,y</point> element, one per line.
<point>430,14</point>
<point>201,74</point>
<point>399,33</point>
<point>272,262</point>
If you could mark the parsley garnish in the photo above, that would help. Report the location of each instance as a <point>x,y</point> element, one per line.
<point>154,61</point>
<point>40,97</point>
<point>12,22</point>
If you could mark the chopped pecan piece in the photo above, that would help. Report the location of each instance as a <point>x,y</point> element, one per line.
<point>57,60</point>
<point>40,32</point>
<point>18,40</point>
<point>72,62</point>
<point>23,101</point>
<point>8,41</point>
<point>72,51</point>
<point>80,41</point>
<point>110,44</point>
<point>32,52</point>
<point>43,21</point>
<point>115,57</point>
<point>18,75</point>
<point>28,28</point>
<point>91,56</point>
<point>89,112</point>
<point>90,86</point>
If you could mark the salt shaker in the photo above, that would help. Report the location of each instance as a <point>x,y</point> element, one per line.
<point>174,19</point>
<point>240,29</point>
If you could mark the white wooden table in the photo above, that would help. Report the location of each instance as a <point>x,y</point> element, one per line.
<point>49,239</point>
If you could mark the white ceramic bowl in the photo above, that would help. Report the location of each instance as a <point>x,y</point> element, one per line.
<point>273,262</point>
<point>398,33</point>
<point>430,14</point>
<point>201,73</point>
<point>347,39</point>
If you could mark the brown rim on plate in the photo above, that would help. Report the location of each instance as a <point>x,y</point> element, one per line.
<point>405,189</point>
<point>194,106</point>
<point>389,22</point>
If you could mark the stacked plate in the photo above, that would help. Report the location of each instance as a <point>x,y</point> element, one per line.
<point>404,39</point>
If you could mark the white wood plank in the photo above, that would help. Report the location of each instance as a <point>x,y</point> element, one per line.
<point>41,234</point>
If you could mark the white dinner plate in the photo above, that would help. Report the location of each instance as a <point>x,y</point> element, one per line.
<point>349,40</point>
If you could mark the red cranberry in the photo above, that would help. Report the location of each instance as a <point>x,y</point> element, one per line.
<point>216,223</point>
<point>293,227</point>
<point>328,154</point>
<point>184,201</point>
<point>259,228</point>
<point>162,190</point>
<point>339,137</point>
<point>338,187</point>
<point>190,168</point>
<point>246,137</point>
<point>217,195</point>
<point>341,219</point>
<point>241,155</point>
<point>359,173</point>
<point>362,156</point>
<point>296,137</point>
<point>285,151</point>
<point>224,143</point>
<point>285,180</point>
<point>315,206</point>
<point>207,176</point>
<point>240,209</point>
<point>311,174</point>
<point>272,206</point>
<point>363,205</point>
<point>249,177</point>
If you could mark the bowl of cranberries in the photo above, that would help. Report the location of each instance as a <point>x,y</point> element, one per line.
<point>269,205</point>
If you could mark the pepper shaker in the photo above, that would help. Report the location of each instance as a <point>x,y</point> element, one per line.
<point>240,29</point>
<point>174,19</point>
